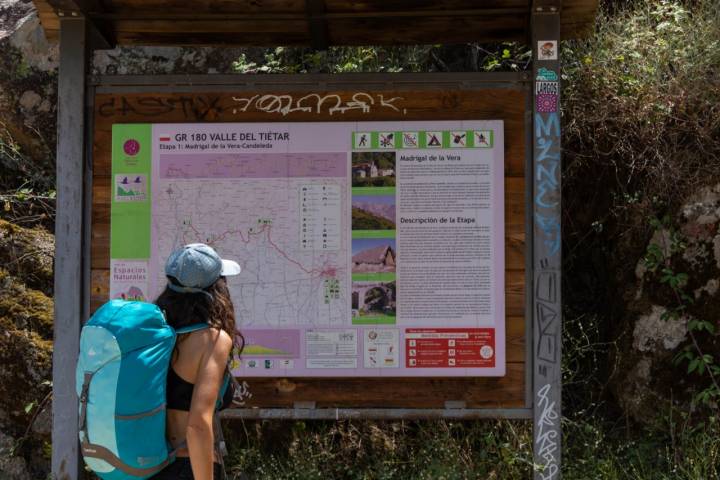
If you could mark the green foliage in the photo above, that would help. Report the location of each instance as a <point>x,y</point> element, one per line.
<point>431,450</point>
<point>507,56</point>
<point>383,160</point>
<point>658,260</point>
<point>638,103</point>
<point>428,450</point>
<point>364,220</point>
<point>337,60</point>
<point>385,181</point>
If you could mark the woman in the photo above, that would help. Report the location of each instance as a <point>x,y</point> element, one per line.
<point>197,293</point>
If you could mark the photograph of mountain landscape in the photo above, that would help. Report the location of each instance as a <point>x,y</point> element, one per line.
<point>373,212</point>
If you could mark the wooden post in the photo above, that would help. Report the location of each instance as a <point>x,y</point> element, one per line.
<point>66,463</point>
<point>547,305</point>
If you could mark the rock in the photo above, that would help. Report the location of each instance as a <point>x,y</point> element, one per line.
<point>26,363</point>
<point>28,253</point>
<point>651,337</point>
<point>11,466</point>
<point>24,308</point>
<point>167,60</point>
<point>653,332</point>
<point>25,350</point>
<point>43,422</point>
<point>29,100</point>
<point>28,37</point>
<point>28,82</point>
<point>13,13</point>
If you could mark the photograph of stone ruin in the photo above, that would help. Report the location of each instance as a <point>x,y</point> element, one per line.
<point>373,287</point>
<point>373,298</point>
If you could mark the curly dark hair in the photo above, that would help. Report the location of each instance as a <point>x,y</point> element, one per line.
<point>214,308</point>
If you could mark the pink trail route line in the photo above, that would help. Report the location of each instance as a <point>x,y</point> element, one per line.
<point>265,228</point>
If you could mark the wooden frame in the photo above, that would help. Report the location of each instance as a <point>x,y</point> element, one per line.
<point>536,180</point>
<point>419,96</point>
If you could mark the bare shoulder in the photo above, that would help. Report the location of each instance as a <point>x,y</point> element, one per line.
<point>214,339</point>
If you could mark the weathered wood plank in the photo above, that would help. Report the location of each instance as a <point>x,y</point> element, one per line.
<point>203,6</point>
<point>503,104</point>
<point>212,39</point>
<point>426,30</point>
<point>69,247</point>
<point>373,22</point>
<point>499,392</point>
<point>420,5</point>
<point>246,27</point>
<point>303,105</point>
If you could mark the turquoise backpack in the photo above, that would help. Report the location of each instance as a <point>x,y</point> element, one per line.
<point>125,351</point>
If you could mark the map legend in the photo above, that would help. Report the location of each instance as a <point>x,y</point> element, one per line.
<point>320,216</point>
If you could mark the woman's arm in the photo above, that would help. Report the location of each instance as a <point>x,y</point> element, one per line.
<point>202,407</point>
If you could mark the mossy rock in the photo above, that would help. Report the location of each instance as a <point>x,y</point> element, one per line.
<point>26,329</point>
<point>25,363</point>
<point>23,308</point>
<point>28,253</point>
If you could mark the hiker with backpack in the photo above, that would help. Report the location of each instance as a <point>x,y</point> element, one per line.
<point>151,377</point>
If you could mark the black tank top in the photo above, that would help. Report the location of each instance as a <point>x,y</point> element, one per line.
<point>179,392</point>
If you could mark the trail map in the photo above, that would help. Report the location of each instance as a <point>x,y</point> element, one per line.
<point>367,248</point>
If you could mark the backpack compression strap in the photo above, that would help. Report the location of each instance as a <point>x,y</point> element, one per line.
<point>191,328</point>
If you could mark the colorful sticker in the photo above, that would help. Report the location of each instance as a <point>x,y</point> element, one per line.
<point>547,50</point>
<point>552,88</point>
<point>546,103</point>
<point>547,75</point>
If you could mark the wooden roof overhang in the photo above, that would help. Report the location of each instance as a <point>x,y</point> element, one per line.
<point>316,23</point>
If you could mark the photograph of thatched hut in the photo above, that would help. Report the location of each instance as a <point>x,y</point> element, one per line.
<point>373,255</point>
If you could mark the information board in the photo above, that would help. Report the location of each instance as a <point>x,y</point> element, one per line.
<point>368,248</point>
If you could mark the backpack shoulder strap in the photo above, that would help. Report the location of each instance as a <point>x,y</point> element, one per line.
<point>191,328</point>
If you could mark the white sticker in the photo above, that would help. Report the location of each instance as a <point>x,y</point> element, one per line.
<point>547,50</point>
